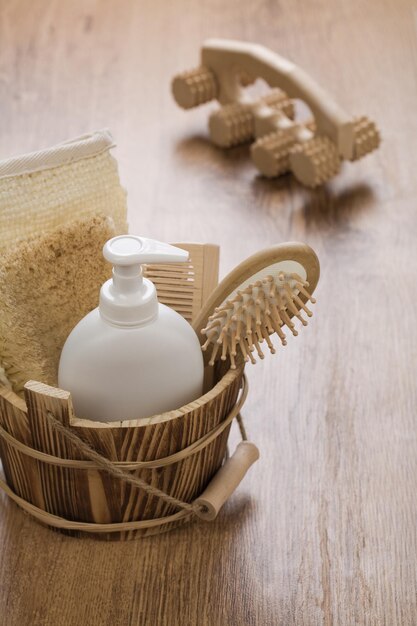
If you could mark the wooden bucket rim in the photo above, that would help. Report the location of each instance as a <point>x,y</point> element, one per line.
<point>225,381</point>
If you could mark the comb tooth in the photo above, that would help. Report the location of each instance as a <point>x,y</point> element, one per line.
<point>258,349</point>
<point>268,325</point>
<point>233,344</point>
<point>217,315</point>
<point>287,321</point>
<point>238,328</point>
<point>280,333</point>
<point>210,328</point>
<point>302,320</point>
<point>249,341</point>
<point>289,296</point>
<point>258,333</point>
<point>250,355</point>
<point>229,306</point>
<point>298,278</point>
<point>205,345</point>
<point>238,303</point>
<point>305,293</point>
<point>224,348</point>
<point>210,331</point>
<point>214,353</point>
<point>291,305</point>
<point>277,322</point>
<point>302,305</point>
<point>237,315</point>
<point>227,325</point>
<point>263,300</point>
<point>296,311</point>
<point>268,340</point>
<point>258,311</point>
<point>248,320</point>
<point>273,291</point>
<point>220,337</point>
<point>243,349</point>
<point>232,361</point>
<point>279,301</point>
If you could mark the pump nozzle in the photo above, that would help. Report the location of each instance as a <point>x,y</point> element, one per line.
<point>128,299</point>
<point>132,250</point>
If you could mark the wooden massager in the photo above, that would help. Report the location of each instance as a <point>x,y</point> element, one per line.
<point>312,151</point>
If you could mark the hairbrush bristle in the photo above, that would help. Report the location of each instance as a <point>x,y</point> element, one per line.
<point>253,314</point>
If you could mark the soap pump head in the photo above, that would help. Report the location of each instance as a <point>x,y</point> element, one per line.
<point>128,299</point>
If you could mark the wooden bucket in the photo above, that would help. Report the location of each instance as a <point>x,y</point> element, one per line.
<point>177,452</point>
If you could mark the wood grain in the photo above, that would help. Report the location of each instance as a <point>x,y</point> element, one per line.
<point>81,493</point>
<point>323,530</point>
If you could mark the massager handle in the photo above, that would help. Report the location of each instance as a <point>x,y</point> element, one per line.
<point>227,59</point>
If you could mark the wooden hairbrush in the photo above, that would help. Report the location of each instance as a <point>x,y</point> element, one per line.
<point>312,150</point>
<point>257,299</point>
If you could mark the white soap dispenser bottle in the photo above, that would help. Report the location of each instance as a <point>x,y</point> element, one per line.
<point>132,356</point>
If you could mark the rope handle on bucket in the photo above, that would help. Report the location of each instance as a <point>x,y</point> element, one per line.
<point>206,506</point>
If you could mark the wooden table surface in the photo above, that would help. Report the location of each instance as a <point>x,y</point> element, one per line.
<point>323,529</point>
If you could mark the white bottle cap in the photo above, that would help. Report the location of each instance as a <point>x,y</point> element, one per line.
<point>128,299</point>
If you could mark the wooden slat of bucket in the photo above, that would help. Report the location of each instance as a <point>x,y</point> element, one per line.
<point>13,415</point>
<point>20,470</point>
<point>67,492</point>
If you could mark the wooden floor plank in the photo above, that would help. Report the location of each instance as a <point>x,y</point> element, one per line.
<point>323,529</point>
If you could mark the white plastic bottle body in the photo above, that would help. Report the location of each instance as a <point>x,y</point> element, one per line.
<point>119,373</point>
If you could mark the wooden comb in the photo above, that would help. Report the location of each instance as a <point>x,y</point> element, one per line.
<point>186,286</point>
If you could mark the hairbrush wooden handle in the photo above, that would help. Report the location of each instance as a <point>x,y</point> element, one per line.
<point>224,483</point>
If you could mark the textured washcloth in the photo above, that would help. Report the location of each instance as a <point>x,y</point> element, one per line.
<point>47,285</point>
<point>43,190</point>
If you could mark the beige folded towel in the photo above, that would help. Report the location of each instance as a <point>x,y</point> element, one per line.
<point>39,193</point>
<point>43,190</point>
